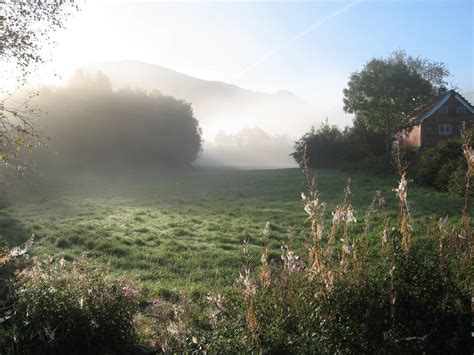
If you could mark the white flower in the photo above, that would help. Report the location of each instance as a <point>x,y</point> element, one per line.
<point>442,223</point>
<point>350,215</point>
<point>337,216</point>
<point>246,283</point>
<point>402,188</point>
<point>311,207</point>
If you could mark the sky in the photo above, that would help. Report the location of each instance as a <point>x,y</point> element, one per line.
<point>307,47</point>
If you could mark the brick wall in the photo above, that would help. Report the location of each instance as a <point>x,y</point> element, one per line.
<point>430,126</point>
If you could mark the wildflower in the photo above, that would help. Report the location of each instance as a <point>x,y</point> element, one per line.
<point>129,291</point>
<point>381,201</point>
<point>442,223</point>
<point>311,207</point>
<point>292,262</point>
<point>350,215</point>
<point>337,216</point>
<point>402,189</point>
<point>319,231</point>
<point>246,283</point>
<point>385,236</point>
<point>216,300</point>
<point>17,251</point>
<point>347,249</point>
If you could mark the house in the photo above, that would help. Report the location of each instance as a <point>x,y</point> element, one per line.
<point>442,119</point>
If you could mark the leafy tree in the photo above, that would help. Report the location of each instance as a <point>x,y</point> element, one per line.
<point>435,72</point>
<point>25,28</point>
<point>95,127</point>
<point>325,147</point>
<point>385,94</point>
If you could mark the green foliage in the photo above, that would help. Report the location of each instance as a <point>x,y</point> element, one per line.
<point>73,308</point>
<point>402,300</point>
<point>420,308</point>
<point>391,297</point>
<point>325,147</point>
<point>435,72</point>
<point>431,307</point>
<point>186,223</point>
<point>354,147</point>
<point>26,29</point>
<point>385,94</point>
<point>442,167</point>
<point>115,129</point>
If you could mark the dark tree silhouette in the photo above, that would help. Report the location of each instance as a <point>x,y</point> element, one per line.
<point>94,126</point>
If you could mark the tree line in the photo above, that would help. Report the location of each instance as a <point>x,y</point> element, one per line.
<point>386,94</point>
<point>93,126</point>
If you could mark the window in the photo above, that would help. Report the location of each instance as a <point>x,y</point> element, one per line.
<point>445,129</point>
<point>443,109</point>
<point>461,110</point>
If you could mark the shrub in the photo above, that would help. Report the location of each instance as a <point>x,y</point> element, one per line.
<point>325,147</point>
<point>355,147</point>
<point>442,167</point>
<point>71,308</point>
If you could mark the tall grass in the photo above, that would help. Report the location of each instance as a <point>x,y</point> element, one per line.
<point>342,296</point>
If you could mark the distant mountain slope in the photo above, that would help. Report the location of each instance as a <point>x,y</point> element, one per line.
<point>217,105</point>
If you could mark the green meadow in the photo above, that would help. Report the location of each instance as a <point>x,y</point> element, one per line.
<point>181,229</point>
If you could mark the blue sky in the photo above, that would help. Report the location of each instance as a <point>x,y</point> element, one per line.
<point>309,48</point>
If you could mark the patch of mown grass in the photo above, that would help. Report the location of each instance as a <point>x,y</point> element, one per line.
<point>170,230</point>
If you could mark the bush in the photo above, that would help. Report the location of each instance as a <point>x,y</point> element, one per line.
<point>356,147</point>
<point>442,167</point>
<point>71,308</point>
<point>325,147</point>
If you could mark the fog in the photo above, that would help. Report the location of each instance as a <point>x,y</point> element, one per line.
<point>250,147</point>
<point>131,115</point>
<point>226,113</point>
<point>93,128</point>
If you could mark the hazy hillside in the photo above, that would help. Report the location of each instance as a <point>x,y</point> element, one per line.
<point>217,105</point>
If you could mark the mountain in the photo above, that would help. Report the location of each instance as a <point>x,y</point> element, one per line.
<point>217,105</point>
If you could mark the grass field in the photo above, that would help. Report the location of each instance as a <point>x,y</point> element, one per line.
<point>182,229</point>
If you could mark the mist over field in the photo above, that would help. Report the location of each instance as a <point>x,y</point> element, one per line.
<point>227,177</point>
<point>225,109</point>
<point>93,127</point>
<point>131,114</point>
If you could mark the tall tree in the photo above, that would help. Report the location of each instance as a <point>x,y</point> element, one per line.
<point>25,29</point>
<point>385,94</point>
<point>435,72</point>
